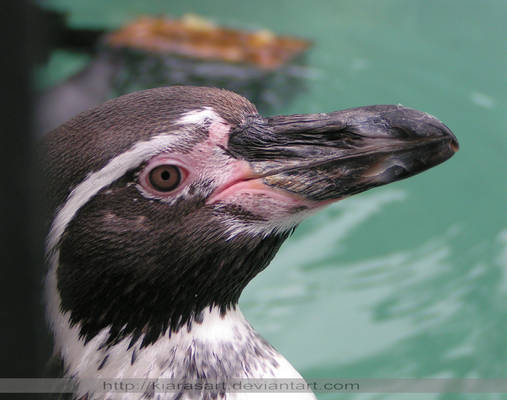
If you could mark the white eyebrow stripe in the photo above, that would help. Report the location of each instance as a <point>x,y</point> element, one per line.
<point>96,181</point>
<point>199,116</point>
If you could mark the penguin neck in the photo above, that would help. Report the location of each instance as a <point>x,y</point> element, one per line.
<point>217,347</point>
<point>223,342</point>
<point>204,342</point>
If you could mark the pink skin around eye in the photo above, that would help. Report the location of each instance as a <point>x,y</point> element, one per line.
<point>144,177</point>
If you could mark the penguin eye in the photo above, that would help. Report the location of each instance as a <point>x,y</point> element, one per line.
<point>165,178</point>
<point>162,177</point>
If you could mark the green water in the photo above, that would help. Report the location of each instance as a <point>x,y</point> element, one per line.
<point>408,280</point>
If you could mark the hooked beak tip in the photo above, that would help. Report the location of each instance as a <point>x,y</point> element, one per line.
<point>454,145</point>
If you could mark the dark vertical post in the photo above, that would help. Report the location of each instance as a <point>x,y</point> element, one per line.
<point>23,334</point>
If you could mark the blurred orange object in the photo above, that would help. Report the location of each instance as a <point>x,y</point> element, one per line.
<point>195,37</point>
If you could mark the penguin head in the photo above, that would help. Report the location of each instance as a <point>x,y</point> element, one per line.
<point>167,201</point>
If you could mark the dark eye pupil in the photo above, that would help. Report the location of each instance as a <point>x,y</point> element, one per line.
<point>165,178</point>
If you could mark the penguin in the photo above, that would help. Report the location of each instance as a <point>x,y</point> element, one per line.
<point>163,204</point>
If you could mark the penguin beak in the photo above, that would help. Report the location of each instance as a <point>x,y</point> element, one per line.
<point>325,157</point>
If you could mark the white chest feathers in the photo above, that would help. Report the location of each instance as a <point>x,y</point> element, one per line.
<point>218,348</point>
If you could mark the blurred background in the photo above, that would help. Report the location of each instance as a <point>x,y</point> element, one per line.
<point>404,281</point>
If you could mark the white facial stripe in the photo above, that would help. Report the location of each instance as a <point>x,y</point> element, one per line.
<point>96,181</point>
<point>199,117</point>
